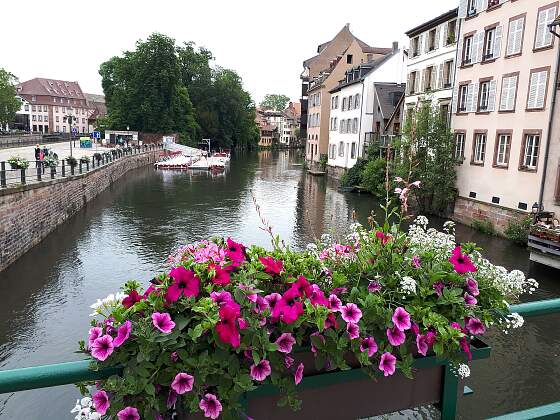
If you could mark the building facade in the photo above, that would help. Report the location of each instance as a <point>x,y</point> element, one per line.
<point>431,61</point>
<point>502,106</point>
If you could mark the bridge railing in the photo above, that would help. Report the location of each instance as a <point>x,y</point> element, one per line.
<point>21,379</point>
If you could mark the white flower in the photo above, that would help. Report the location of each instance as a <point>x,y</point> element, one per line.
<point>311,247</point>
<point>326,239</point>
<point>107,303</point>
<point>86,402</point>
<point>463,371</point>
<point>355,226</point>
<point>408,285</point>
<point>421,221</point>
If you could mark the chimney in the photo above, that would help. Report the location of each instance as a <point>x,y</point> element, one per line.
<point>347,26</point>
<point>395,45</point>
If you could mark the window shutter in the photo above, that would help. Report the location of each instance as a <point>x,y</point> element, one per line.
<point>426,38</point>
<point>424,80</point>
<point>492,96</point>
<point>438,33</point>
<point>469,104</point>
<point>506,93</point>
<point>445,33</point>
<point>441,76</point>
<point>515,36</point>
<point>481,5</point>
<point>462,9</point>
<point>541,89</point>
<point>498,42</point>
<point>532,98</point>
<point>409,83</point>
<point>541,29</point>
<point>474,99</point>
<point>479,47</point>
<point>476,48</point>
<point>455,99</point>
<point>512,92</point>
<point>460,43</point>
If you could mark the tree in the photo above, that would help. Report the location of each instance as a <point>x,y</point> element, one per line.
<point>9,104</point>
<point>275,102</point>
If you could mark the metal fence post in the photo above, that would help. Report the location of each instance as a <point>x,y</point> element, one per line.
<point>39,170</point>
<point>449,394</point>
<point>2,174</point>
<point>53,169</point>
<point>87,166</point>
<point>63,168</point>
<point>22,176</point>
<point>80,166</point>
<point>72,169</point>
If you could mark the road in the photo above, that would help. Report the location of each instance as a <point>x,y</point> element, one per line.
<point>62,149</point>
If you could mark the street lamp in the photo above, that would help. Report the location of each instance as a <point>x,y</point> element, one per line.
<point>553,27</point>
<point>535,211</point>
<point>69,118</point>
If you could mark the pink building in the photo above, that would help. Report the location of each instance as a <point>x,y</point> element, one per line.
<point>502,107</point>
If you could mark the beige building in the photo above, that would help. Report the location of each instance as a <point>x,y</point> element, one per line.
<point>502,106</point>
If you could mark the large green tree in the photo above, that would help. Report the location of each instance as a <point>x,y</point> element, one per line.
<point>9,104</point>
<point>275,102</point>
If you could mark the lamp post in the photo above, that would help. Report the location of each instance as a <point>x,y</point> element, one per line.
<point>535,211</point>
<point>69,119</point>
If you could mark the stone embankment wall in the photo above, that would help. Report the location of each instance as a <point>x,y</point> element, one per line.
<point>28,213</point>
<point>467,210</point>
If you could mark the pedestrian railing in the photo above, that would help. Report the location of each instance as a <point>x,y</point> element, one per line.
<point>45,170</point>
<point>71,372</point>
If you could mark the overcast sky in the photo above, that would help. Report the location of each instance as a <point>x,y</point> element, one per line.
<point>264,41</point>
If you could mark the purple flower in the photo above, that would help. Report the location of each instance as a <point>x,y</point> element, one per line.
<point>260,371</point>
<point>338,290</point>
<point>438,287</point>
<point>472,286</point>
<point>422,344</point>
<point>288,362</point>
<point>469,299</point>
<point>122,334</point>
<point>211,406</point>
<point>273,299</point>
<point>401,319</point>
<point>102,347</point>
<point>370,345</point>
<point>414,328</point>
<point>396,337</point>
<point>174,357</point>
<point>221,297</point>
<point>171,398</point>
<point>351,313</point>
<point>94,333</point>
<point>163,322</point>
<point>353,330</point>
<point>101,402</point>
<point>374,286</point>
<point>128,413</point>
<point>461,262</point>
<point>285,343</point>
<point>334,303</point>
<point>298,376</point>
<point>416,261</point>
<point>182,383</point>
<point>475,326</point>
<point>387,363</point>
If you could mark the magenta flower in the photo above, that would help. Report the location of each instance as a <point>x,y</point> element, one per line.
<point>288,362</point>
<point>174,357</point>
<point>472,286</point>
<point>285,342</point>
<point>387,364</point>
<point>475,326</point>
<point>414,328</point>
<point>461,262</point>
<point>353,330</point>
<point>469,299</point>
<point>318,297</point>
<point>272,266</point>
<point>331,321</point>
<point>438,287</point>
<point>374,286</point>
<point>395,336</point>
<point>416,261</point>
<point>260,371</point>
<point>227,327</point>
<point>122,333</point>
<point>370,345</point>
<point>102,347</point>
<point>401,319</point>
<point>351,313</point>
<point>185,283</point>
<point>131,299</point>
<point>101,402</point>
<point>273,299</point>
<point>94,333</point>
<point>385,238</point>
<point>182,383</point>
<point>219,276</point>
<point>221,297</point>
<point>210,405</point>
<point>335,304</point>
<point>298,376</point>
<point>128,413</point>
<point>163,322</point>
<point>171,398</point>
<point>235,252</point>
<point>242,323</point>
<point>421,344</point>
<point>431,338</point>
<point>288,309</point>
<point>465,347</point>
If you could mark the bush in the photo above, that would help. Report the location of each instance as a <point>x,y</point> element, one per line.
<point>373,176</point>
<point>484,226</point>
<point>72,161</point>
<point>17,162</point>
<point>353,176</point>
<point>323,160</point>
<point>517,230</point>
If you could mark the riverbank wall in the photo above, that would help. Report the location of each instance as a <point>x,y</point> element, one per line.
<point>468,210</point>
<point>28,213</point>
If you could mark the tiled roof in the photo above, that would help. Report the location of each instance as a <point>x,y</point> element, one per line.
<point>51,87</point>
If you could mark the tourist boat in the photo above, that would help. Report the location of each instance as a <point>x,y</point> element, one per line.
<point>544,240</point>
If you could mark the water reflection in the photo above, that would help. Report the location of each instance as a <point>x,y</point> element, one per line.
<point>129,230</point>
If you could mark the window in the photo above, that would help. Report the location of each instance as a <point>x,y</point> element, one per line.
<point>471,7</point>
<point>349,59</point>
<point>543,37</point>
<point>332,102</point>
<point>64,129</point>
<point>336,102</point>
<point>503,144</point>
<point>509,92</point>
<point>33,108</point>
<point>355,126</point>
<point>58,128</point>
<point>26,107</point>
<point>444,112</point>
<point>46,119</point>
<point>515,36</point>
<point>479,148</point>
<point>483,95</point>
<point>492,3</point>
<point>413,82</point>
<point>57,119</point>
<point>350,102</point>
<point>40,118</point>
<point>344,104</point>
<point>34,127</point>
<point>353,151</point>
<point>332,151</point>
<point>44,108</point>
<point>54,99</point>
<point>468,50</point>
<point>448,68</point>
<point>335,123</point>
<point>530,152</point>
<point>489,44</point>
<point>416,46</point>
<point>463,97</point>
<point>432,40</point>
<point>537,89</point>
<point>341,149</point>
<point>64,109</point>
<point>83,120</point>
<point>342,126</point>
<point>451,36</point>
<point>357,101</point>
<point>33,99</point>
<point>460,146</point>
<point>34,118</point>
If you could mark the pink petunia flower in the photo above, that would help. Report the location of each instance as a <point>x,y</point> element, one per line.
<point>475,326</point>
<point>298,376</point>
<point>421,344</point>
<point>288,362</point>
<point>469,299</point>
<point>353,330</point>
<point>272,266</point>
<point>260,371</point>
<point>368,344</point>
<point>351,313</point>
<point>331,321</point>
<point>288,309</point>
<point>395,336</point>
<point>221,297</point>
<point>219,276</point>
<point>235,251</point>
<point>387,364</point>
<point>285,342</point>
<point>210,405</point>
<point>182,383</point>
<point>101,402</point>
<point>472,286</point>
<point>318,297</point>
<point>401,319</point>
<point>273,299</point>
<point>163,322</point>
<point>227,327</point>
<point>465,347</point>
<point>461,262</point>
<point>374,286</point>
<point>185,283</point>
<point>416,261</point>
<point>128,413</point>
<point>94,333</point>
<point>102,347</point>
<point>335,304</point>
<point>131,299</point>
<point>438,286</point>
<point>123,333</point>
<point>171,398</point>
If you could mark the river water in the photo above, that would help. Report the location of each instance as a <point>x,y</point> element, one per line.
<point>128,231</point>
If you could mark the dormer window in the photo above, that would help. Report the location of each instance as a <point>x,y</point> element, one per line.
<point>349,59</point>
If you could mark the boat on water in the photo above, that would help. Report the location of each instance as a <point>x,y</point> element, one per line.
<point>183,157</point>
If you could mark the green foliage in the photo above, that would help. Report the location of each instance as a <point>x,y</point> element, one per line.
<point>275,102</point>
<point>353,176</point>
<point>484,225</point>
<point>373,176</point>
<point>9,104</point>
<point>17,162</point>
<point>323,160</point>
<point>517,230</point>
<point>71,161</point>
<point>425,153</point>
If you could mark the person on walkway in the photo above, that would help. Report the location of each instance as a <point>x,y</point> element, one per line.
<point>37,156</point>
<point>45,153</point>
<point>42,160</point>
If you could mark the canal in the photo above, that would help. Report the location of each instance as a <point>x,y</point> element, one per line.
<point>128,231</point>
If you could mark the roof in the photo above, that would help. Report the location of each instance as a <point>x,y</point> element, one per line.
<point>451,14</point>
<point>51,87</point>
<point>394,114</point>
<point>386,94</point>
<point>93,97</point>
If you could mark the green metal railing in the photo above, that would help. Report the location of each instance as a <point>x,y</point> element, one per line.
<point>71,372</point>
